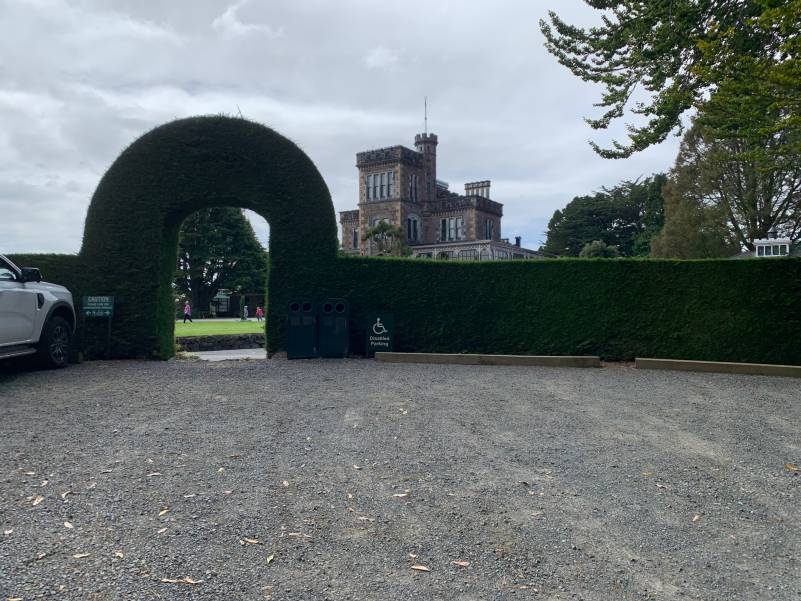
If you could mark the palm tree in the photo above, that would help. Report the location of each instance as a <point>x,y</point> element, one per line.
<point>388,238</point>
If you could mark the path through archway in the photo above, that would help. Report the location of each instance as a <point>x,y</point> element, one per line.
<point>130,238</point>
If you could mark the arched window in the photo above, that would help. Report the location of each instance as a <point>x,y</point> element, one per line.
<point>355,238</point>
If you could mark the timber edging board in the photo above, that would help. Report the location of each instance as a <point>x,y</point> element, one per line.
<point>754,369</point>
<point>466,359</point>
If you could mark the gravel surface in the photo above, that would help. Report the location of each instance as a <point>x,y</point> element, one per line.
<point>331,479</point>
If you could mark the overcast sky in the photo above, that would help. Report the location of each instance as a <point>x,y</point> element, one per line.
<point>80,80</point>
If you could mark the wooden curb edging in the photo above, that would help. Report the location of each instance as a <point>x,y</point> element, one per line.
<point>460,359</point>
<point>753,369</point>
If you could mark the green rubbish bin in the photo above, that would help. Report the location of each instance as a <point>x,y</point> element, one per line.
<point>301,335</point>
<point>333,327</point>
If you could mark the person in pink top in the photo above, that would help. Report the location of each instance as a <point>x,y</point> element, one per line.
<point>187,312</point>
<point>259,313</point>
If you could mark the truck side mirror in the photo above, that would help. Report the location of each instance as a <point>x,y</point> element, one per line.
<point>31,274</point>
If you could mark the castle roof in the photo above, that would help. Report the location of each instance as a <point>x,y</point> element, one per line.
<point>451,201</point>
<point>390,154</point>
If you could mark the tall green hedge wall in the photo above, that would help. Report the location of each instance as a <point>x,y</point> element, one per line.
<point>130,239</point>
<point>718,310</point>
<point>748,310</point>
<point>621,308</point>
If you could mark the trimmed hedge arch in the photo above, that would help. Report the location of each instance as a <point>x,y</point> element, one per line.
<point>131,235</point>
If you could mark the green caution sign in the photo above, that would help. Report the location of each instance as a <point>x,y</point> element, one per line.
<point>98,306</point>
<point>380,333</point>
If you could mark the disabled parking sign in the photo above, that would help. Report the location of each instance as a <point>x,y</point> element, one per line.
<point>380,333</point>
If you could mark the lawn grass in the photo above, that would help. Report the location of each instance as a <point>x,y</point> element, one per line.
<point>218,328</point>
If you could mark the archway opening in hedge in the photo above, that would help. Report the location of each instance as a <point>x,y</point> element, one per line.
<point>131,234</point>
<point>222,263</point>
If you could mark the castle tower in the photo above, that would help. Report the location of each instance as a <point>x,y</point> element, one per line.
<point>426,144</point>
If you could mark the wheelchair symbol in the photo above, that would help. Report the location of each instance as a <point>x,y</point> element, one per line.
<point>378,327</point>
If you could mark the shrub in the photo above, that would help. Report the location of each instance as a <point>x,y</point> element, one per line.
<point>130,241</point>
<point>599,249</point>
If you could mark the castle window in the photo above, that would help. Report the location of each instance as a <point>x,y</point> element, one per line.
<point>451,228</point>
<point>413,228</point>
<point>355,238</point>
<point>383,185</point>
<point>375,186</point>
<point>368,182</point>
<point>489,229</point>
<point>391,184</point>
<point>413,188</point>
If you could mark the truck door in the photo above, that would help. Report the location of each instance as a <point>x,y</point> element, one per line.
<point>17,307</point>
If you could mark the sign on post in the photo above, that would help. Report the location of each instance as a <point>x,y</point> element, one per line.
<point>98,306</point>
<point>380,333</point>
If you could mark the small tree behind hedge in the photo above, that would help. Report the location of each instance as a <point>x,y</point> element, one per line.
<point>599,249</point>
<point>388,239</point>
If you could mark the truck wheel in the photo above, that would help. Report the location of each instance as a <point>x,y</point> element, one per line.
<point>55,343</point>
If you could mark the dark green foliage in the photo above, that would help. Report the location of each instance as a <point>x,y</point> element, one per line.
<point>218,249</point>
<point>598,250</point>
<point>708,310</point>
<point>626,216</point>
<point>739,58</point>
<point>732,176</point>
<point>64,270</point>
<point>131,235</point>
<point>388,239</point>
<point>759,94</point>
<point>693,230</point>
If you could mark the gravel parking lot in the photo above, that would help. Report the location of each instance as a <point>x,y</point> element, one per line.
<point>342,480</point>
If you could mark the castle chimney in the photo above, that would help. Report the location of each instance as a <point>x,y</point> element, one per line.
<point>518,241</point>
<point>481,189</point>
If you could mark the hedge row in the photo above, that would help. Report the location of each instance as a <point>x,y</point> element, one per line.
<point>718,310</point>
<point>60,269</point>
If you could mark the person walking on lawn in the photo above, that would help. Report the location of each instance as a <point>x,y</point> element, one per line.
<point>259,313</point>
<point>188,312</point>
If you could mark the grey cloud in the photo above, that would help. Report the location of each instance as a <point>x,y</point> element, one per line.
<point>229,23</point>
<point>336,77</point>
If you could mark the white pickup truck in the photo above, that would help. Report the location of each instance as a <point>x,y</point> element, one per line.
<point>35,317</point>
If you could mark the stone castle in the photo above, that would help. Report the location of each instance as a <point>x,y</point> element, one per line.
<point>400,186</point>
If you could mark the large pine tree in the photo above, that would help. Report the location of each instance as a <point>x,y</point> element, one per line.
<point>738,62</point>
<point>626,216</point>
